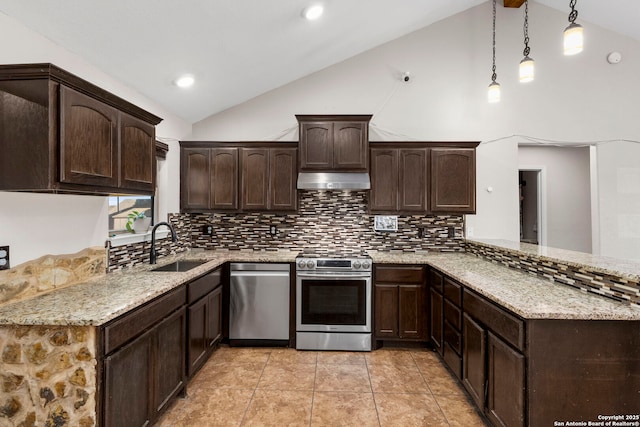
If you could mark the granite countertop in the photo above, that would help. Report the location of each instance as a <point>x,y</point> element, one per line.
<point>104,298</point>
<point>101,300</point>
<point>526,295</point>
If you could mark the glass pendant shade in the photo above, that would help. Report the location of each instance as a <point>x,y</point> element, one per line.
<point>526,70</point>
<point>493,94</point>
<point>573,39</point>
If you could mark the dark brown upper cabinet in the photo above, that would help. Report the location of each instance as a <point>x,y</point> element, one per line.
<point>63,134</point>
<point>208,178</point>
<point>268,179</point>
<point>398,180</point>
<point>238,176</point>
<point>453,180</point>
<point>334,142</point>
<point>422,177</point>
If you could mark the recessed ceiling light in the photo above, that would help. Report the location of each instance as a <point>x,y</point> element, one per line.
<point>313,12</point>
<point>185,81</point>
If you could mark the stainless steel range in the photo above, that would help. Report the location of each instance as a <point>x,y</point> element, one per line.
<point>333,302</point>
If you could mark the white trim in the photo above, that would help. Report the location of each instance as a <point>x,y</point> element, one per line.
<point>128,239</point>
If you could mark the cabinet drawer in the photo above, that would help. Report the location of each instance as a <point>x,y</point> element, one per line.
<point>453,291</point>
<point>452,337</point>
<point>203,285</point>
<point>509,327</point>
<point>452,314</point>
<point>135,322</point>
<point>436,280</point>
<point>409,274</point>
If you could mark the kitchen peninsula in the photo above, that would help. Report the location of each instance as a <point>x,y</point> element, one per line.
<point>52,345</point>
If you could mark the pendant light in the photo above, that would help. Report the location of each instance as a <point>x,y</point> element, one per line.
<point>526,65</point>
<point>573,36</point>
<point>493,94</point>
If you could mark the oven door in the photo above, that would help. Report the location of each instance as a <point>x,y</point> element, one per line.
<point>333,302</point>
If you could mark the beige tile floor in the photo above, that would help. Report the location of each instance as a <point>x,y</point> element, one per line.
<point>285,387</point>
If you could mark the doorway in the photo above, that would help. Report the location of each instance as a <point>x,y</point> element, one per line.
<point>530,206</point>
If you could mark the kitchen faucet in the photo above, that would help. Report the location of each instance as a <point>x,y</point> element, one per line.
<point>152,255</point>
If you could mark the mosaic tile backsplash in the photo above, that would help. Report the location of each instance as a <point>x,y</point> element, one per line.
<point>588,280</point>
<point>138,253</point>
<point>327,220</point>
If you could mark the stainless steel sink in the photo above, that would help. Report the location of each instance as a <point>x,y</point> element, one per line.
<point>180,266</point>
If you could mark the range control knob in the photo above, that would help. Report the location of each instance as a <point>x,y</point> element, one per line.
<point>356,264</point>
<point>310,264</point>
<point>301,264</point>
<point>366,265</point>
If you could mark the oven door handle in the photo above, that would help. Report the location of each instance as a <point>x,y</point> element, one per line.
<point>329,276</point>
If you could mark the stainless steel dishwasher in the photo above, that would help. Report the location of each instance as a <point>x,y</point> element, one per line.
<point>259,304</point>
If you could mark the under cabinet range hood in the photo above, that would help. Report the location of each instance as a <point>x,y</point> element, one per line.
<point>333,181</point>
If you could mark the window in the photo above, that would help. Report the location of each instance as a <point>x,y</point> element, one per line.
<point>121,206</point>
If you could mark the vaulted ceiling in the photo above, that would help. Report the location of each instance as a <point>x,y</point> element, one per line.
<point>242,48</point>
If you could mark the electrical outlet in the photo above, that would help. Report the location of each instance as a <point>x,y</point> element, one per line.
<point>451,232</point>
<point>273,230</point>
<point>207,230</point>
<point>4,258</point>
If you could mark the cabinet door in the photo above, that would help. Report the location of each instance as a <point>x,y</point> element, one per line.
<point>214,317</point>
<point>88,140</point>
<point>435,324</point>
<point>169,359</point>
<point>316,145</point>
<point>412,313</point>
<point>224,178</point>
<point>128,384</point>
<point>283,168</point>
<point>195,178</point>
<point>505,400</point>
<point>137,154</point>
<point>453,180</point>
<point>255,179</point>
<point>384,180</point>
<point>386,311</point>
<point>197,335</point>
<point>473,359</point>
<point>412,180</point>
<point>350,145</point>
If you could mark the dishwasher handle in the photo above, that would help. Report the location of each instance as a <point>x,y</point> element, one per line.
<point>258,273</point>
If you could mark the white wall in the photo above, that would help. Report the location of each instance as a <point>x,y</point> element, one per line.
<point>568,193</point>
<point>619,203</point>
<point>35,224</point>
<point>572,99</point>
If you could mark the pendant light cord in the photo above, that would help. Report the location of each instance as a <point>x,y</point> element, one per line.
<point>574,13</point>
<point>526,50</point>
<point>494,75</point>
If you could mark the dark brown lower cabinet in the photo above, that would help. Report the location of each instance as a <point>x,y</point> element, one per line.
<point>143,363</point>
<point>169,375</point>
<point>143,376</point>
<point>400,303</point>
<point>474,374</point>
<point>204,319</point>
<point>436,323</point>
<point>493,370</point>
<point>204,328</point>
<point>128,381</point>
<point>535,372</point>
<point>505,394</point>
